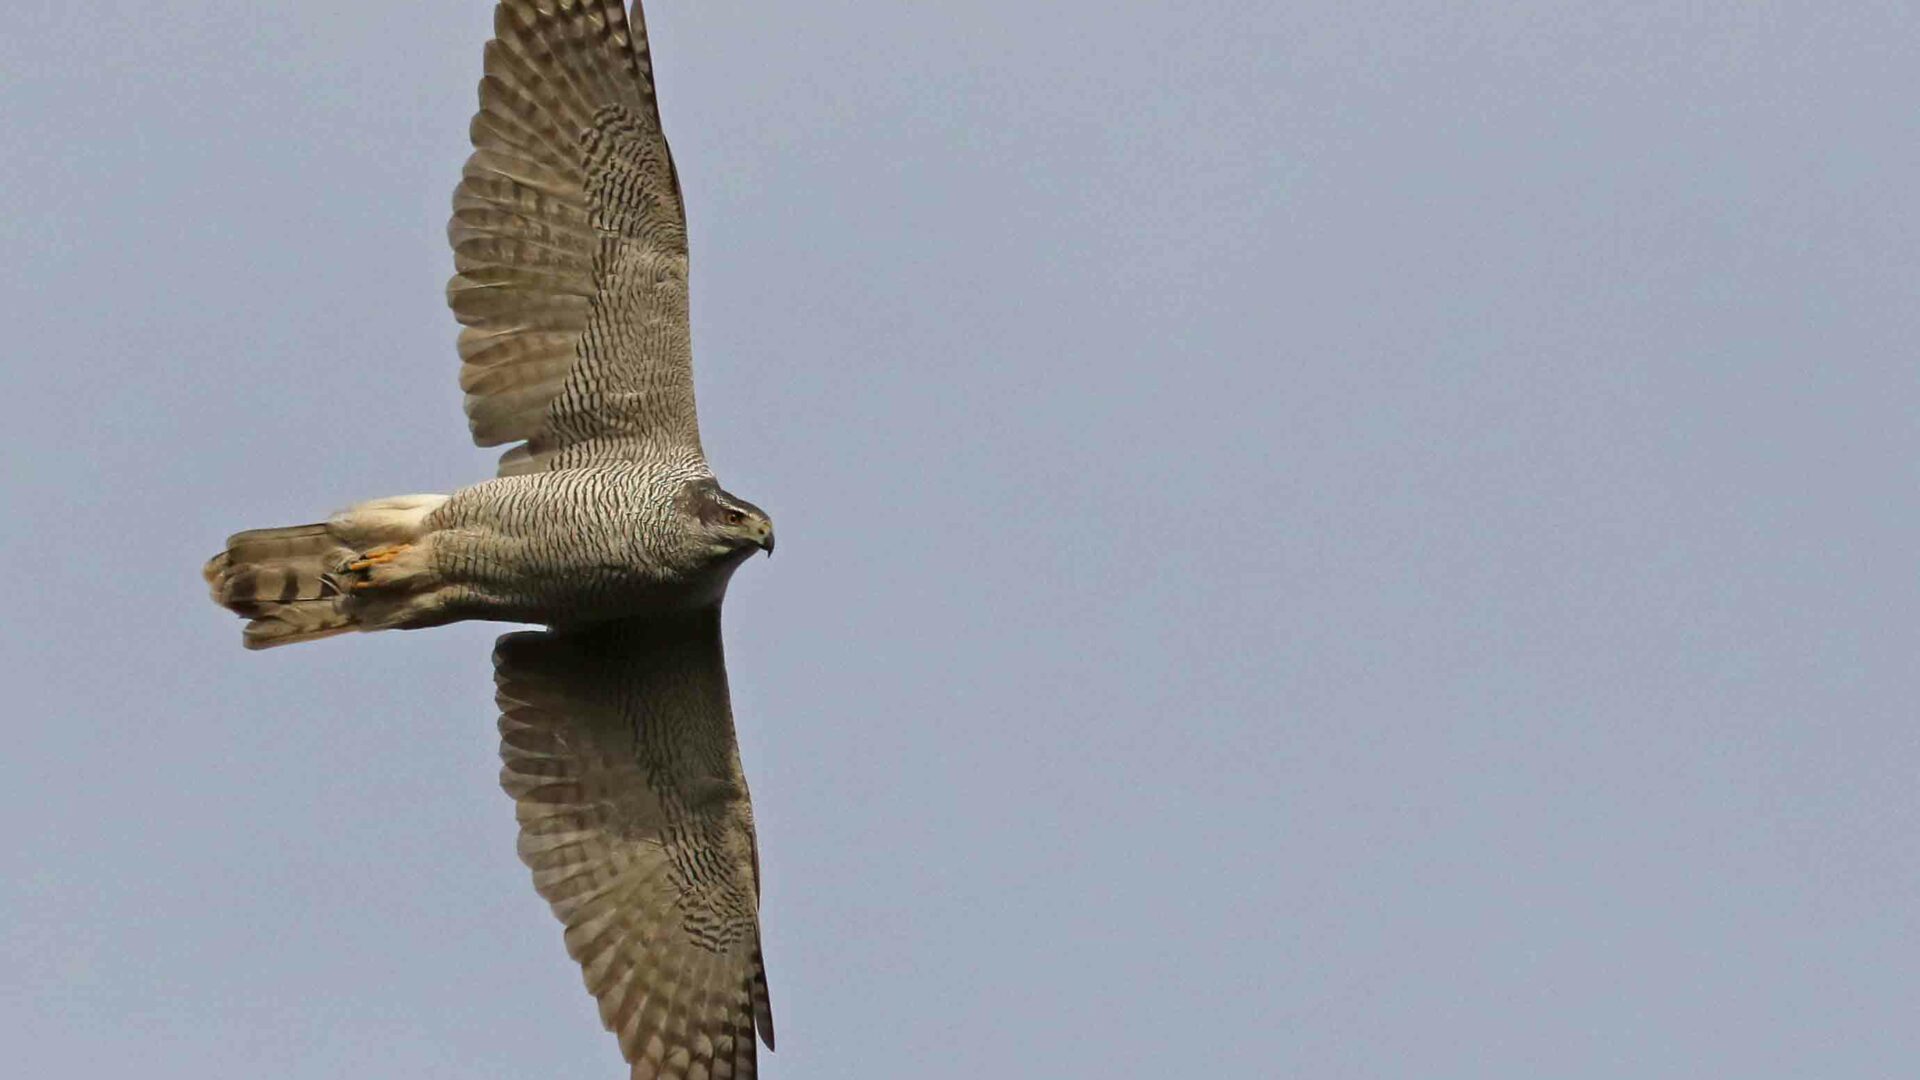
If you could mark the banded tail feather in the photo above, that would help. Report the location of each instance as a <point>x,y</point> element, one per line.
<point>306,582</point>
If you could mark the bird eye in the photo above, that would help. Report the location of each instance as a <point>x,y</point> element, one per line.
<point>735,517</point>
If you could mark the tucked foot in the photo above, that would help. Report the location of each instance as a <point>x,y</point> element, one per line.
<point>379,556</point>
<point>385,567</point>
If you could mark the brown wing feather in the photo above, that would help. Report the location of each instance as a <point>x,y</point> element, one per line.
<point>619,751</point>
<point>569,239</point>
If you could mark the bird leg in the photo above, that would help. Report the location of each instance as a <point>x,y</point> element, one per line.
<point>384,555</point>
<point>379,556</point>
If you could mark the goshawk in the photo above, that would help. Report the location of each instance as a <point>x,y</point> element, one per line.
<point>605,525</point>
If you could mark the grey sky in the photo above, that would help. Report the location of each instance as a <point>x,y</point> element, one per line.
<point>1324,539</point>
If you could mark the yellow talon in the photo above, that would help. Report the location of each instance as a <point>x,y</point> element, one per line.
<point>379,556</point>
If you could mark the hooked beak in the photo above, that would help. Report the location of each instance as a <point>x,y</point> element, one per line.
<point>767,544</point>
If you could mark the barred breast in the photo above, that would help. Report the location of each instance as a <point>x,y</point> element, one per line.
<point>574,546</point>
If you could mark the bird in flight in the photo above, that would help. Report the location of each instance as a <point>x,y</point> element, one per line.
<point>605,525</point>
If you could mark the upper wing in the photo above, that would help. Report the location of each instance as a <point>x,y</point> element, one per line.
<point>619,750</point>
<point>570,243</point>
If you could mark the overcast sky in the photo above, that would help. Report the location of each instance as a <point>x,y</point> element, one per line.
<point>1326,539</point>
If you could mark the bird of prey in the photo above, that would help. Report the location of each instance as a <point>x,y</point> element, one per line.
<point>605,525</point>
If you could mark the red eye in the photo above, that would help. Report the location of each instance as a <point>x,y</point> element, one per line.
<point>735,517</point>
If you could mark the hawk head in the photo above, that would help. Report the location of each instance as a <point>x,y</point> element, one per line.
<point>729,524</point>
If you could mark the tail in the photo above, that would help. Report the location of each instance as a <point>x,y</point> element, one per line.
<point>307,582</point>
